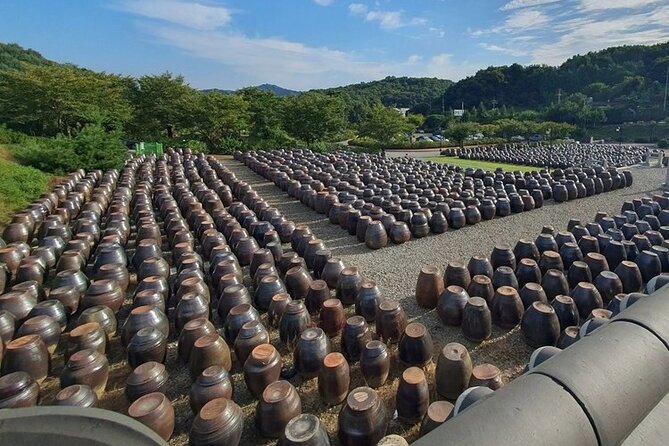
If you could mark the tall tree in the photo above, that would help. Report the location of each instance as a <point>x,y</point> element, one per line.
<point>221,117</point>
<point>314,117</point>
<point>385,125</point>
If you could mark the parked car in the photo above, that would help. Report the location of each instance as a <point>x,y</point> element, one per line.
<point>536,137</point>
<point>517,138</point>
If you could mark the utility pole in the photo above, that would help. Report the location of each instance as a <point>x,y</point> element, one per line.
<point>559,95</point>
<point>494,103</point>
<point>443,110</point>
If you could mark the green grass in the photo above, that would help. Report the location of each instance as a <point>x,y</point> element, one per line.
<point>19,185</point>
<point>480,164</point>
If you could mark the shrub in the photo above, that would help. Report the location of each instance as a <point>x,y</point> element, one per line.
<point>663,144</point>
<point>91,148</point>
<point>19,185</point>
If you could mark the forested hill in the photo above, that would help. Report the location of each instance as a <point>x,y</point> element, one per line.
<point>620,77</point>
<point>409,92</point>
<point>12,55</point>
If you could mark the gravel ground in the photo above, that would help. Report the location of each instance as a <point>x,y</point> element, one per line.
<point>396,267</point>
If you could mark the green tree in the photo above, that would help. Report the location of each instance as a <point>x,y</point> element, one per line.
<point>461,130</point>
<point>508,128</point>
<point>266,110</point>
<point>386,124</point>
<point>220,117</point>
<point>314,117</point>
<point>47,100</point>
<point>165,106</point>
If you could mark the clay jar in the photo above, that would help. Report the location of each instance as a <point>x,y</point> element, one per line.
<point>18,389</point>
<point>310,352</point>
<point>156,412</point>
<point>52,308</point>
<point>454,369</point>
<point>481,286</point>
<point>101,314</point>
<point>148,344</point>
<point>280,402</point>
<point>191,331</point>
<point>236,318</point>
<point>86,336</point>
<point>587,298</point>
<point>191,306</point>
<point>27,354</point>
<point>376,236</point>
<point>220,422</point>
<point>355,336</point>
<point>334,379</point>
<point>209,350</point>
<point>45,327</point>
<point>486,375</point>
<point>276,309</point>
<point>318,293</point>
<point>69,296</point>
<point>293,322</point>
<point>297,281</point>
<point>476,320</point>
<point>251,335</point>
<point>331,271</point>
<point>413,395</point>
<point>368,300</point>
<point>566,311</point>
<point>415,345</point>
<point>451,305</point>
<point>332,317</point>
<point>456,274</point>
<point>400,233</point>
<point>268,287</point>
<point>390,320</point>
<point>103,292</point>
<point>141,317</point>
<point>507,308</point>
<point>7,327</point>
<point>348,285</point>
<point>429,287</point>
<point>76,395</point>
<point>146,378</point>
<point>375,363</point>
<point>18,303</point>
<point>363,419</point>
<point>214,382</point>
<point>305,430</point>
<point>262,367</point>
<point>88,367</point>
<point>540,325</point>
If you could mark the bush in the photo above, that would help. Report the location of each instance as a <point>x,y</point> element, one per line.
<point>11,137</point>
<point>91,148</point>
<point>19,185</point>
<point>663,144</point>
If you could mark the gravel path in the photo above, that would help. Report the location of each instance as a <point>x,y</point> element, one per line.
<point>396,267</point>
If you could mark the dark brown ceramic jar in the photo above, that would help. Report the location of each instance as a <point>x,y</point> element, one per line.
<point>45,327</point>
<point>207,351</point>
<point>77,395</point>
<point>103,292</point>
<point>310,351</point>
<point>101,314</point>
<point>86,336</point>
<point>69,296</point>
<point>18,389</point>
<point>268,287</point>
<point>27,354</point>
<point>486,375</point>
<point>390,321</point>
<point>375,363</point>
<point>191,306</point>
<point>214,382</point>
<point>429,287</point>
<point>415,346</point>
<point>349,285</point>
<point>192,330</point>
<point>156,412</point>
<point>7,327</point>
<point>220,422</point>
<point>363,419</point>
<point>298,281</point>
<point>318,293</point>
<point>114,271</point>
<point>236,318</point>
<point>52,308</point>
<point>146,378</point>
<point>507,308</point>
<point>18,303</point>
<point>413,395</point>
<point>262,367</point>
<point>293,322</point>
<point>88,367</point>
<point>142,317</point>
<point>251,335</point>
<point>304,430</point>
<point>355,336</point>
<point>276,308</point>
<point>453,372</point>
<point>451,305</point>
<point>331,271</point>
<point>280,402</point>
<point>334,379</point>
<point>481,286</point>
<point>540,325</point>
<point>148,344</point>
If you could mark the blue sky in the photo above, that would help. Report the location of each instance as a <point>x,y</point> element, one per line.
<point>303,44</point>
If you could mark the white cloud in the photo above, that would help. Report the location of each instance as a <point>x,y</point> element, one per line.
<point>597,5</point>
<point>296,65</point>
<point>503,50</point>
<point>518,4</point>
<point>525,19</point>
<point>184,13</point>
<point>324,2</point>
<point>387,19</point>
